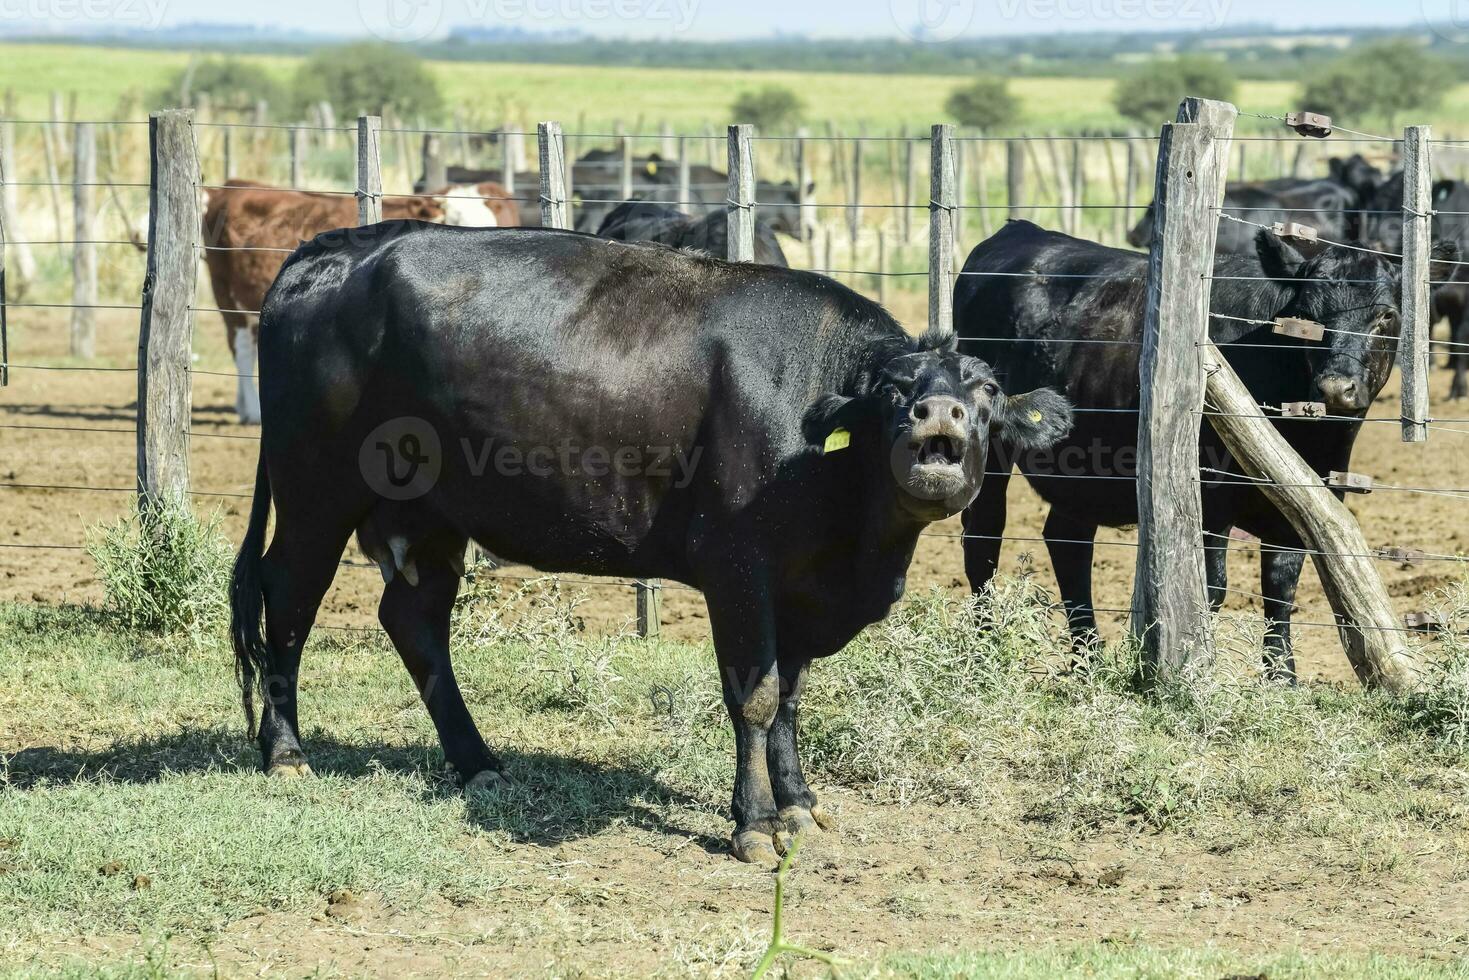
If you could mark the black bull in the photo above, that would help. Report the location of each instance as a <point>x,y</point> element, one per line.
<point>418,385</point>
<point>1047,309</point>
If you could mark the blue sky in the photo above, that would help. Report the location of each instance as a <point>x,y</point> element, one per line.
<point>747,18</point>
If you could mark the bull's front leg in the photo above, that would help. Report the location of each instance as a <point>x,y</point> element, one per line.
<point>1280,572</point>
<point>797,806</point>
<point>744,643</point>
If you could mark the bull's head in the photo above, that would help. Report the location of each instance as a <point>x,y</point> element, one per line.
<point>926,421</point>
<point>1357,297</point>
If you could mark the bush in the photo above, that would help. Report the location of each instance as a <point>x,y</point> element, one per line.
<point>167,573</point>
<point>985,103</point>
<point>368,77</point>
<point>770,109</point>
<point>1380,81</point>
<point>229,82</point>
<point>1152,95</point>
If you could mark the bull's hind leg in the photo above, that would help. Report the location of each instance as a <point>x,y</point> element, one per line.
<point>295,573</point>
<point>796,804</point>
<point>984,524</point>
<point>416,617</point>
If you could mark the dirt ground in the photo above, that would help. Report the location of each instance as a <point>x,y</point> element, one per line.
<point>74,429</point>
<point>923,878</point>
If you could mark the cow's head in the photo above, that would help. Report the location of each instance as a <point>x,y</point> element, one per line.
<point>780,206</point>
<point>924,421</point>
<point>1357,297</point>
<point>1357,175</point>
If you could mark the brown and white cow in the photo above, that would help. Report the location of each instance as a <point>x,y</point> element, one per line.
<point>250,228</point>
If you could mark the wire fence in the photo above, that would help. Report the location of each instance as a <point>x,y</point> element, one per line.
<point>1092,185</point>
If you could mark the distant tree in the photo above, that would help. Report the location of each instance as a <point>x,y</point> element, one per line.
<point>985,103</point>
<point>368,77</point>
<point>230,83</point>
<point>771,109</point>
<point>1379,81</point>
<point>1151,95</point>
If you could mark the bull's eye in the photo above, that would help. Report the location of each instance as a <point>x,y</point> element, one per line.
<point>991,389</point>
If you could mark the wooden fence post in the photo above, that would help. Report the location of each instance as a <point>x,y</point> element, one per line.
<point>910,153</point>
<point>298,157</point>
<point>164,390</point>
<point>685,174</point>
<point>806,226</point>
<point>369,170</point>
<point>1015,176</point>
<point>1170,600</point>
<point>854,213</point>
<point>553,175</point>
<point>84,253</point>
<point>1413,344</point>
<point>741,206</point>
<point>4,221</point>
<point>941,231</point>
<point>510,158</point>
<point>624,146</point>
<point>435,173</point>
<point>25,259</point>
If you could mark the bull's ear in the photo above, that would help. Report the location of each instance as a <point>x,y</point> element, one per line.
<point>1281,259</point>
<point>1038,420</point>
<point>1443,263</point>
<point>830,413</point>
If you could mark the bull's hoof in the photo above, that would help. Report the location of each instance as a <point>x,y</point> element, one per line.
<point>486,781</point>
<point>758,847</point>
<point>799,820</point>
<point>291,765</point>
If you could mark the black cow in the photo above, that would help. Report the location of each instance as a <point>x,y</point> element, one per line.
<point>638,221</point>
<point>1332,205</point>
<point>1026,292</point>
<point>1384,229</point>
<point>762,434</point>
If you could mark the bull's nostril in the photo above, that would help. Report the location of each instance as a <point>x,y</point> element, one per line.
<point>958,413</point>
<point>920,412</point>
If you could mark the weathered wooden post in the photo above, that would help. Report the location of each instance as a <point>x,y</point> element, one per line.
<point>882,266</point>
<point>4,221</point>
<point>84,252</point>
<point>625,149</point>
<point>164,389</point>
<point>685,171</point>
<point>296,139</point>
<point>369,170</point>
<point>227,150</point>
<point>1170,601</point>
<point>25,259</point>
<point>941,230</point>
<point>510,160</point>
<point>1413,344</point>
<point>1015,177</point>
<point>854,213</point>
<point>741,206</point>
<point>553,175</point>
<point>435,173</point>
<point>807,224</point>
<point>982,189</point>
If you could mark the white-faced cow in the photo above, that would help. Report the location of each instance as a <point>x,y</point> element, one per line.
<point>762,434</point>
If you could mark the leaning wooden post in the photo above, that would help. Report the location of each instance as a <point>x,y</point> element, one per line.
<point>1170,600</point>
<point>369,170</point>
<point>1413,345</point>
<point>164,389</point>
<point>1370,631</point>
<point>941,230</point>
<point>1015,176</point>
<point>553,175</point>
<point>84,253</point>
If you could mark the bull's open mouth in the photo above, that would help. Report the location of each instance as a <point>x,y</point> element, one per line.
<point>938,451</point>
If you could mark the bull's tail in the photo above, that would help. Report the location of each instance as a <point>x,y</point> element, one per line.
<point>247,599</point>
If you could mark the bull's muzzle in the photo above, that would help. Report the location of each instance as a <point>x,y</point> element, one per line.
<point>1343,395</point>
<point>930,462</point>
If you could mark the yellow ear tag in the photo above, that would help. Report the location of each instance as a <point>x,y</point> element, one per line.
<point>652,169</point>
<point>1035,416</point>
<point>838,440</point>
